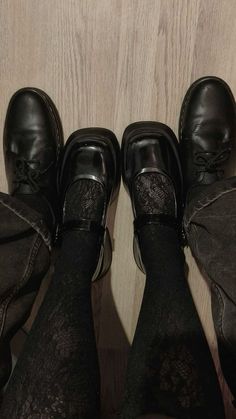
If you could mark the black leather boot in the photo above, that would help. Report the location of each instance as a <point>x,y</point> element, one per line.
<point>33,142</point>
<point>28,218</point>
<point>207,131</point>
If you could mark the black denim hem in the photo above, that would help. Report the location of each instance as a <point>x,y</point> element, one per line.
<point>210,227</point>
<point>27,214</point>
<point>206,197</point>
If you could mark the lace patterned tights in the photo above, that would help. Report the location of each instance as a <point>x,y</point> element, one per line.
<point>170,369</point>
<point>57,375</point>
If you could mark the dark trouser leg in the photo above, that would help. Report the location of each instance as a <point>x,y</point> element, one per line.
<point>210,224</point>
<point>170,368</point>
<point>57,375</point>
<point>24,260</point>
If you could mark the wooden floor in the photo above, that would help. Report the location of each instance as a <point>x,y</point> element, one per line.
<point>109,63</point>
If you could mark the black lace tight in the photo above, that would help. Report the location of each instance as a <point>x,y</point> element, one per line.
<point>170,369</point>
<point>57,375</point>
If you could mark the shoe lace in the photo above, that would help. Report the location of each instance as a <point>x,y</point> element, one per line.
<point>211,160</point>
<point>28,175</point>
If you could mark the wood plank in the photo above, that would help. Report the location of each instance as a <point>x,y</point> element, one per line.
<point>109,63</point>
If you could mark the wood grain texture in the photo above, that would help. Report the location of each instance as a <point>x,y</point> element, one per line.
<point>109,63</point>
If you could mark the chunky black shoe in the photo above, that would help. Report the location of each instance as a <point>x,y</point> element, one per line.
<point>91,154</point>
<point>33,142</point>
<point>152,148</point>
<point>206,132</point>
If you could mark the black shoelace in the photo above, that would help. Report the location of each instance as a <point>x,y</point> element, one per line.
<point>209,161</point>
<point>28,175</point>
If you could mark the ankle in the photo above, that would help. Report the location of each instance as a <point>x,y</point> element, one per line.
<point>154,194</point>
<point>85,200</point>
<point>81,251</point>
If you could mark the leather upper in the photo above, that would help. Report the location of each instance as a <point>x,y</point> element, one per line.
<point>32,143</point>
<point>151,147</point>
<point>206,130</point>
<point>91,153</point>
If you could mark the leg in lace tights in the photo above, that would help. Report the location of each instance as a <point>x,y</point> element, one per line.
<point>57,375</point>
<point>170,369</point>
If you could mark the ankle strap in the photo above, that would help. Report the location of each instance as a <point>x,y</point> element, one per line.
<point>159,219</point>
<point>82,225</point>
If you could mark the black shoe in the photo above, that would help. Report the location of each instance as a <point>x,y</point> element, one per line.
<point>148,148</point>
<point>206,131</point>
<point>91,154</point>
<point>33,142</point>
